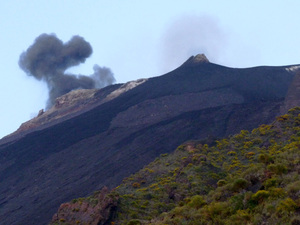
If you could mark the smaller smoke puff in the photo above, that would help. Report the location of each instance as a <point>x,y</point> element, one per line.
<point>102,76</point>
<point>48,59</point>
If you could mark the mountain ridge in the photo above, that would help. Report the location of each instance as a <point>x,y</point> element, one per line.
<point>76,156</point>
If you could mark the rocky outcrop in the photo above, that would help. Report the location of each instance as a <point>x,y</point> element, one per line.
<point>196,60</point>
<point>67,104</point>
<point>96,210</point>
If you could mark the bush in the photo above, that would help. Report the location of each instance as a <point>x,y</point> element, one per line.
<point>134,222</point>
<point>241,217</point>
<point>277,192</point>
<point>217,209</point>
<point>136,185</point>
<point>272,182</point>
<point>196,202</point>
<point>236,202</point>
<point>260,196</point>
<point>277,168</point>
<point>239,184</point>
<point>293,188</point>
<point>249,155</point>
<point>286,206</point>
<point>264,158</point>
<point>283,118</point>
<point>221,183</point>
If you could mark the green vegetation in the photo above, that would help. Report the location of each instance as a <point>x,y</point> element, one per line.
<point>249,178</point>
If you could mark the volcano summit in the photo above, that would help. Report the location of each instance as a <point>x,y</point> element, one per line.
<point>95,138</point>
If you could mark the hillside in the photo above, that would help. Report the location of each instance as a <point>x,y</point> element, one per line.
<point>80,146</point>
<point>248,178</point>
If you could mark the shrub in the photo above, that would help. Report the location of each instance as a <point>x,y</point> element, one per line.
<point>217,209</point>
<point>231,153</point>
<point>277,192</point>
<point>134,222</point>
<point>236,202</point>
<point>239,184</point>
<point>180,148</point>
<point>283,117</point>
<point>286,206</point>
<point>260,196</point>
<point>293,188</point>
<point>136,185</point>
<point>249,155</point>
<point>221,183</point>
<point>272,182</point>
<point>277,168</point>
<point>264,158</point>
<point>196,202</point>
<point>248,144</point>
<point>241,217</point>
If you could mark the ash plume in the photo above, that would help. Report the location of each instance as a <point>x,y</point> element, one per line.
<point>189,35</point>
<point>48,58</point>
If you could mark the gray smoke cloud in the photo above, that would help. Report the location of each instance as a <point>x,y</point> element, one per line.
<point>189,35</point>
<point>48,58</point>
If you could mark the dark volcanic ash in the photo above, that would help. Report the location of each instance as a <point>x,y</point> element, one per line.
<point>48,59</point>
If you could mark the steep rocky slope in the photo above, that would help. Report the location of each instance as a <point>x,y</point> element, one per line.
<point>249,178</point>
<point>76,153</point>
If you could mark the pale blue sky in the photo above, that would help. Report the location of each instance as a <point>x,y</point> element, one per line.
<point>142,38</point>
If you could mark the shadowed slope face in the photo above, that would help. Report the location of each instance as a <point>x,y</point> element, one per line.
<point>106,142</point>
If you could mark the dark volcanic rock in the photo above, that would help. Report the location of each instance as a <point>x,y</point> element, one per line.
<point>127,127</point>
<point>293,95</point>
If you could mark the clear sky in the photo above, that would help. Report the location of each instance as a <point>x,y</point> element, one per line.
<point>141,38</point>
